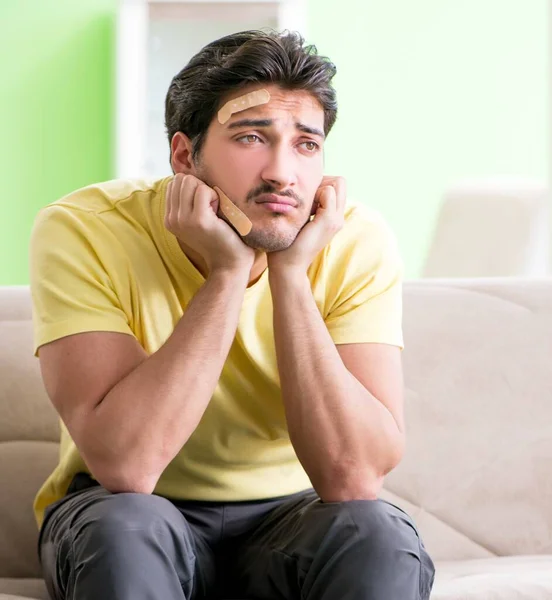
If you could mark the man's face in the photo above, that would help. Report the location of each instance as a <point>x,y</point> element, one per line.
<point>274,148</point>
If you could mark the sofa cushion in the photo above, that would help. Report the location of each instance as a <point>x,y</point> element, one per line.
<point>504,578</point>
<point>23,467</point>
<point>23,589</point>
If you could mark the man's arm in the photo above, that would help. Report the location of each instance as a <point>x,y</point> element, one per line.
<point>343,404</point>
<point>130,414</point>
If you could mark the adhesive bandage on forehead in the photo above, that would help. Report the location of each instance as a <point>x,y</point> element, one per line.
<point>240,222</point>
<point>243,103</point>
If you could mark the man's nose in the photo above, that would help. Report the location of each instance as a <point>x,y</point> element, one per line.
<point>280,169</point>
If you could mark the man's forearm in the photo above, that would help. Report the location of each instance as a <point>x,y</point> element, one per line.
<point>345,438</point>
<point>144,421</point>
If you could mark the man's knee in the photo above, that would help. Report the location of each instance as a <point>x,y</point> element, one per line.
<point>375,540</point>
<point>130,517</point>
<point>108,540</point>
<point>392,535</point>
<point>375,524</point>
<point>379,518</point>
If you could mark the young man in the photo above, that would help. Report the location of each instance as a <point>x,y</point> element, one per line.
<point>223,348</point>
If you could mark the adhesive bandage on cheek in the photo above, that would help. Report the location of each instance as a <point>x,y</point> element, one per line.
<point>242,103</point>
<point>241,223</point>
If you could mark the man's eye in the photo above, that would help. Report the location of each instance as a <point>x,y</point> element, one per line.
<point>249,139</point>
<point>310,146</point>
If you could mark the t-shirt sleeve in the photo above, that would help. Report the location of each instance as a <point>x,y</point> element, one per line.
<point>71,287</point>
<point>365,287</point>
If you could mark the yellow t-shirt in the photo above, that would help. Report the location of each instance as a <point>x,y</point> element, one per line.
<point>102,260</point>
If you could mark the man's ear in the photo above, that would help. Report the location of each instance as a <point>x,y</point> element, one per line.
<point>181,154</point>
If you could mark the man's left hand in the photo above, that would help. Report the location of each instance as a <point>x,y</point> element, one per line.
<point>329,204</point>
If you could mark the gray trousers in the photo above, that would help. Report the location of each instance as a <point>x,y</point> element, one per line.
<point>97,545</point>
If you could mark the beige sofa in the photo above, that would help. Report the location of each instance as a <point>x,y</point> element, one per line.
<point>477,475</point>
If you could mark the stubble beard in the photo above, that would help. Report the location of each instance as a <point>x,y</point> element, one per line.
<point>268,239</point>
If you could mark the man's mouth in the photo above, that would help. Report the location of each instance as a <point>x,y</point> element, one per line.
<point>276,203</point>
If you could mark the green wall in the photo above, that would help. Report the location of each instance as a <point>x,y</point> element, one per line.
<point>430,92</point>
<point>56,60</point>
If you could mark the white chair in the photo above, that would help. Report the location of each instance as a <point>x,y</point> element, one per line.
<point>491,228</point>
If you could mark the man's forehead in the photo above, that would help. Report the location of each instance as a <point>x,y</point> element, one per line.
<point>282,105</point>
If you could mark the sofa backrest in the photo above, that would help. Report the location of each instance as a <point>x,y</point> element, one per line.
<point>29,434</point>
<point>477,473</point>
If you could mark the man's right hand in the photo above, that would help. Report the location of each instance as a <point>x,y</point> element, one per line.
<point>191,215</point>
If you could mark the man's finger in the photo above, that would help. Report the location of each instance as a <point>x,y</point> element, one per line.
<point>186,198</point>
<point>168,203</point>
<point>171,199</point>
<point>204,199</point>
<point>328,200</point>
<point>340,186</point>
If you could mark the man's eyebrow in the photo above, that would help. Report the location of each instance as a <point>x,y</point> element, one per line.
<point>268,122</point>
<point>308,129</point>
<point>250,123</point>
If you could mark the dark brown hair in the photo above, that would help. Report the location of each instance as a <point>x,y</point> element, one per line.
<point>235,61</point>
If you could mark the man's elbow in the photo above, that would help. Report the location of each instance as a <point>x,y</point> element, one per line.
<point>361,482</point>
<point>120,485</point>
<point>122,479</point>
<point>396,452</point>
<point>350,490</point>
